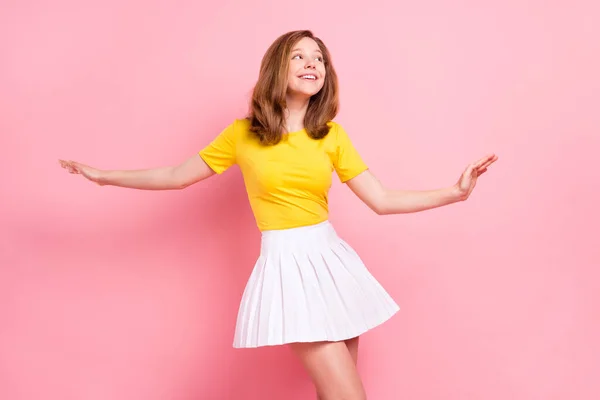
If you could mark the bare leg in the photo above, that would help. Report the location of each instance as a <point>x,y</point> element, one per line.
<point>352,345</point>
<point>332,369</point>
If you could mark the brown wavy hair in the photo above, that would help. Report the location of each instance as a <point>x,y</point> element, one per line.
<point>268,104</point>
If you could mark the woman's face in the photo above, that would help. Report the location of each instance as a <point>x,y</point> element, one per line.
<point>306,74</point>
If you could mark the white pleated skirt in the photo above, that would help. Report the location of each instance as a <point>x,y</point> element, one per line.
<point>309,285</point>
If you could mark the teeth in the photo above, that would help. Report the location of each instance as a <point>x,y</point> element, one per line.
<point>308,77</point>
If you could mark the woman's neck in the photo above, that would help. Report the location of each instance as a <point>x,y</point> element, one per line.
<point>295,112</point>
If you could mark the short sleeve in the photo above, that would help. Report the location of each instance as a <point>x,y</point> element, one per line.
<point>347,162</point>
<point>220,153</point>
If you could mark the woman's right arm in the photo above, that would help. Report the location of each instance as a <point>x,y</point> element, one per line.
<point>192,170</point>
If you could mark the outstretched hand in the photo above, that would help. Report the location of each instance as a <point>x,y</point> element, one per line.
<point>86,171</point>
<point>468,179</point>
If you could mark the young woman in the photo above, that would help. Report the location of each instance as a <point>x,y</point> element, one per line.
<point>308,288</point>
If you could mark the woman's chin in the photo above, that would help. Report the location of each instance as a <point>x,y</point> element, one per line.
<point>301,95</point>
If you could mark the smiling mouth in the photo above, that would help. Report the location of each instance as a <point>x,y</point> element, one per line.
<point>308,77</point>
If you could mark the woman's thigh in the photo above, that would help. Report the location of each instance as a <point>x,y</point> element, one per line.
<point>352,345</point>
<point>332,369</point>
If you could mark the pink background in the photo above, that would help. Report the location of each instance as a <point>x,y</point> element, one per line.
<point>113,294</point>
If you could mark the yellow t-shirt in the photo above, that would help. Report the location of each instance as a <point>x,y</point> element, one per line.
<point>287,183</point>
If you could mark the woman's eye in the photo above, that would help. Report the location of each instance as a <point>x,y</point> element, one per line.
<point>296,57</point>
<point>320,59</point>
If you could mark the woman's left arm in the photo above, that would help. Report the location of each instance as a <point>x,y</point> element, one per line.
<point>385,201</point>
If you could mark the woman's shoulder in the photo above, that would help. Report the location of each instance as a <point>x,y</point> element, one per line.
<point>333,125</point>
<point>241,131</point>
<point>238,128</point>
<point>336,130</point>
<point>242,124</point>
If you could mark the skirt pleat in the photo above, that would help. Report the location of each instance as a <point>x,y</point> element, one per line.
<point>309,285</point>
